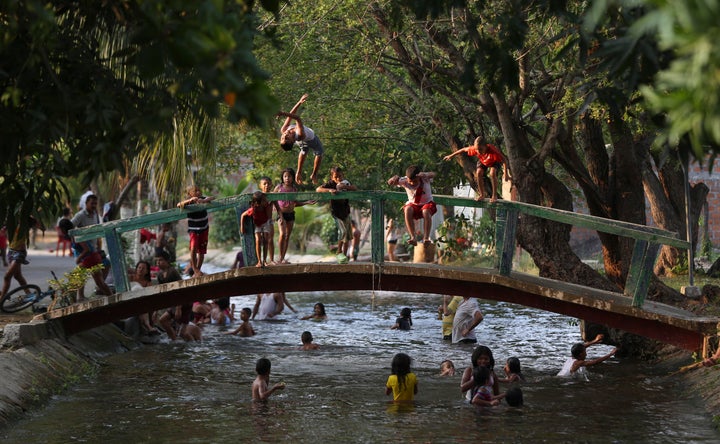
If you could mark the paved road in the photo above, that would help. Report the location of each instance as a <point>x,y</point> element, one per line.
<point>43,260</point>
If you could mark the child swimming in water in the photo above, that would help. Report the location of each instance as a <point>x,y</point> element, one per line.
<point>447,368</point>
<point>307,341</point>
<point>577,363</point>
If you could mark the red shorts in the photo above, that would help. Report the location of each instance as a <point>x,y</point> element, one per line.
<point>418,209</point>
<point>199,241</point>
<point>91,260</point>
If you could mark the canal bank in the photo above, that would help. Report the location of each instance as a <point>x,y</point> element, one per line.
<point>37,362</point>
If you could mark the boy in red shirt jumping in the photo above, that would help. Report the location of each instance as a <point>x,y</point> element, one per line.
<point>490,158</point>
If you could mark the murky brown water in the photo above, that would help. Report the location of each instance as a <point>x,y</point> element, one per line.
<point>177,392</point>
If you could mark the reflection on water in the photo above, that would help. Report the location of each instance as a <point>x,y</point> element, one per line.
<point>178,392</point>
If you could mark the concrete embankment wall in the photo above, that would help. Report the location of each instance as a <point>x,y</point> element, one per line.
<point>38,361</point>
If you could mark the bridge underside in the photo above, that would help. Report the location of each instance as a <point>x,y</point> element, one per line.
<point>657,321</point>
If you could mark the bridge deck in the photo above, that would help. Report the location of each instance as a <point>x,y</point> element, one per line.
<point>658,321</point>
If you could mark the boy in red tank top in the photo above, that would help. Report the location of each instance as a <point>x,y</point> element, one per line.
<point>490,158</point>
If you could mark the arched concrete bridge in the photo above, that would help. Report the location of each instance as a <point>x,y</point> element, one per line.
<point>658,321</point>
<point>628,311</point>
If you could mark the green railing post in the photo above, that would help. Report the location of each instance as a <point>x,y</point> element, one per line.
<point>247,241</point>
<point>377,229</point>
<point>505,228</point>
<point>113,243</point>
<point>641,268</point>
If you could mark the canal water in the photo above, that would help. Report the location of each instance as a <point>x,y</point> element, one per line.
<point>200,392</point>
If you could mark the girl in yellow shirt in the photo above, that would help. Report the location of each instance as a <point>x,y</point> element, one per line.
<point>402,383</point>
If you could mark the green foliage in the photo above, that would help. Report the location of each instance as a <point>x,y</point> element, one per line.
<point>687,91</point>
<point>67,286</point>
<point>459,237</point>
<point>85,88</point>
<point>225,229</point>
<point>454,237</point>
<point>329,231</point>
<point>681,268</point>
<point>308,224</point>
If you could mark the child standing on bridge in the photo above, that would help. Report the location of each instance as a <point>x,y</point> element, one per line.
<point>490,158</point>
<point>261,212</point>
<point>340,208</point>
<point>198,228</point>
<point>577,363</point>
<point>286,212</point>
<point>420,203</point>
<point>266,186</point>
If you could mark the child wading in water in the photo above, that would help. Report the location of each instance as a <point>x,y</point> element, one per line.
<point>404,322</point>
<point>482,391</point>
<point>512,371</point>
<point>402,383</point>
<point>482,356</point>
<point>260,387</point>
<point>245,329</point>
<point>447,368</point>
<point>577,363</point>
<point>420,203</point>
<point>318,313</point>
<point>260,211</point>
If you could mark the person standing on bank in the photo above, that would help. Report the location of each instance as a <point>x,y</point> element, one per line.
<point>87,254</point>
<point>302,136</point>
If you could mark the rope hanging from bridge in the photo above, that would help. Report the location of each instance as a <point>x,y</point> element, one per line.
<point>372,297</point>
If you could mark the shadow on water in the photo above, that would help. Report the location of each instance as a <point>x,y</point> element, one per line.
<point>178,392</point>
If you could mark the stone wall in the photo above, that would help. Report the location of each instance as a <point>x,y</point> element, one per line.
<point>37,361</point>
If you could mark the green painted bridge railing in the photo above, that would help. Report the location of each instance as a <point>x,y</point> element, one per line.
<point>647,239</point>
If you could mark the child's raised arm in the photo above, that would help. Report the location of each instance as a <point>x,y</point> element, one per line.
<point>601,358</point>
<point>293,115</point>
<point>597,339</point>
<point>455,153</point>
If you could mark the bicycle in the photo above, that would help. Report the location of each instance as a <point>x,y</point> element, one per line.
<point>28,295</point>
